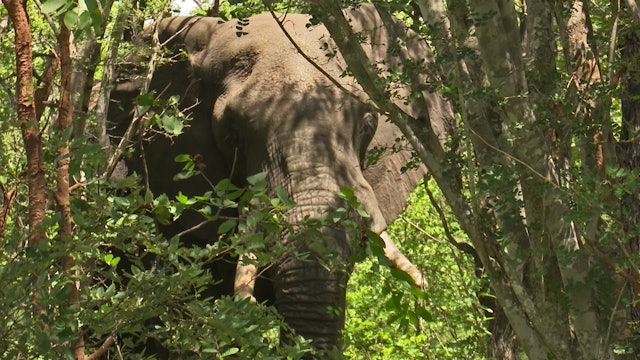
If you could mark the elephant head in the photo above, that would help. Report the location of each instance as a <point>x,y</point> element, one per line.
<point>259,103</point>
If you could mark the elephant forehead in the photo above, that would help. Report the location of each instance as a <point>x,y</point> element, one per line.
<point>239,48</point>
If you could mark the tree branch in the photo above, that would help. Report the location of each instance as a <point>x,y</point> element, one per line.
<point>102,349</point>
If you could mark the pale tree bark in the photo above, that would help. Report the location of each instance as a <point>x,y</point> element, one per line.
<point>108,73</point>
<point>479,118</point>
<point>86,57</point>
<point>544,209</point>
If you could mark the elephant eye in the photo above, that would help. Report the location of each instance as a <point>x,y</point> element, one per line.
<point>371,120</point>
<point>368,128</point>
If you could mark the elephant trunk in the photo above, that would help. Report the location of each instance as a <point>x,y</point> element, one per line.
<point>310,289</point>
<point>311,299</point>
<point>310,282</point>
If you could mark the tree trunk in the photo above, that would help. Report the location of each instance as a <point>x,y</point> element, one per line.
<point>27,118</point>
<point>629,157</point>
<point>62,194</point>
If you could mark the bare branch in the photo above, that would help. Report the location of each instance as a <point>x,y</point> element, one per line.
<point>138,116</point>
<point>102,349</point>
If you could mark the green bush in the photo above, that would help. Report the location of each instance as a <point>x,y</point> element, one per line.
<point>389,319</point>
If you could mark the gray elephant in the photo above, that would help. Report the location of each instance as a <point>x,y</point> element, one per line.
<point>259,105</point>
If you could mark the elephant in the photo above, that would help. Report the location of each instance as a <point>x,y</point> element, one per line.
<point>259,104</point>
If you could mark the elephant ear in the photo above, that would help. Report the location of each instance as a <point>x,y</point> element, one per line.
<point>390,183</point>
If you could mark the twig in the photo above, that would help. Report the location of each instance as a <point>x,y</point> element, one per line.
<point>102,349</point>
<point>464,247</point>
<point>613,38</point>
<point>46,84</point>
<point>137,115</point>
<point>193,228</point>
<point>305,56</point>
<point>8,89</point>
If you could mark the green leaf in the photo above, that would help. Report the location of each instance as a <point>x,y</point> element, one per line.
<point>227,226</point>
<point>66,134</point>
<point>401,275</point>
<point>84,20</point>
<point>52,6</point>
<point>182,158</point>
<point>184,199</point>
<point>230,351</point>
<point>419,293</point>
<point>338,214</point>
<point>258,179</point>
<point>183,175</point>
<point>170,124</point>
<point>121,201</point>
<point>284,196</point>
<point>89,149</point>
<point>71,19</point>
<point>92,5</point>
<point>362,212</point>
<point>146,100</point>
<point>423,313</point>
<point>347,194</point>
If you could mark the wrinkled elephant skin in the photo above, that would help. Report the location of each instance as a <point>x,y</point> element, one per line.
<point>258,105</point>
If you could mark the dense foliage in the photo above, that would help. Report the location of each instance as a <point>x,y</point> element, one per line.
<point>389,319</point>
<point>527,231</point>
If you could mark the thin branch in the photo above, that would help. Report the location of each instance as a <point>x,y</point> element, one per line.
<point>137,123</point>
<point>464,247</point>
<point>613,38</point>
<point>330,77</point>
<point>102,349</point>
<point>8,89</point>
<point>193,228</point>
<point>514,158</point>
<point>613,315</point>
<point>138,116</point>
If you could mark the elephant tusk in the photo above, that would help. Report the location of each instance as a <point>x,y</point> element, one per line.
<point>245,279</point>
<point>401,262</point>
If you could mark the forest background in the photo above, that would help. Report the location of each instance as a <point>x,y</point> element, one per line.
<point>526,229</point>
